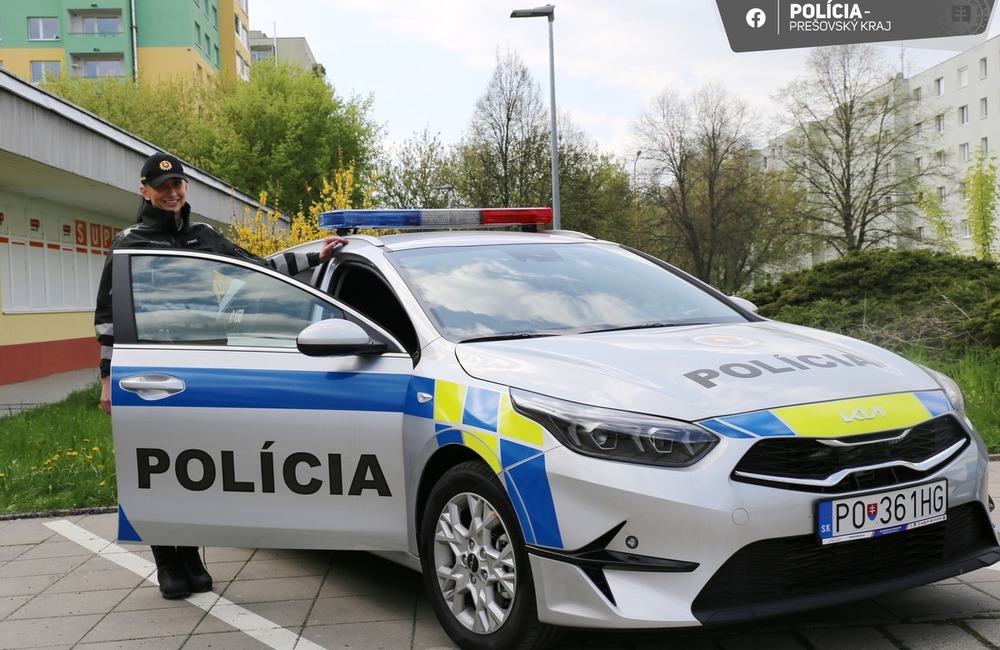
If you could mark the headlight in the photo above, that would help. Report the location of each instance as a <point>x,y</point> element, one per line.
<point>951,389</point>
<point>617,435</point>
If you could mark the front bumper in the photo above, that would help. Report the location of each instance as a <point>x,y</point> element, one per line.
<point>707,549</point>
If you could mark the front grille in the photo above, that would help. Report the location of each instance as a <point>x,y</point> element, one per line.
<point>766,576</point>
<point>776,460</point>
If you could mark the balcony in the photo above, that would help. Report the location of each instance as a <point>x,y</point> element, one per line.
<point>105,43</point>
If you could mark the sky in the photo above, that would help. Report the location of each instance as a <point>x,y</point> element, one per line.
<point>426,62</point>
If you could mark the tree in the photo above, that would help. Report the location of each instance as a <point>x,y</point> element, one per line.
<point>851,127</point>
<point>593,187</point>
<point>501,161</point>
<point>412,176</point>
<point>716,212</point>
<point>166,113</point>
<point>981,203</point>
<point>282,132</point>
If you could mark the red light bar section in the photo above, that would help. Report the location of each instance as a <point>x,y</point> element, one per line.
<point>516,216</point>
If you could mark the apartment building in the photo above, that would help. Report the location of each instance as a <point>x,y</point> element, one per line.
<point>956,114</point>
<point>959,104</point>
<point>147,39</point>
<point>287,49</point>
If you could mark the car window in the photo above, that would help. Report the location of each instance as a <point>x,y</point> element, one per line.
<point>481,291</point>
<point>364,290</point>
<point>195,301</point>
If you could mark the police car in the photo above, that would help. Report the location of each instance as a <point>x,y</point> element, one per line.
<point>557,431</point>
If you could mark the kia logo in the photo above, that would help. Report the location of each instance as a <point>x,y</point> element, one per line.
<point>860,414</point>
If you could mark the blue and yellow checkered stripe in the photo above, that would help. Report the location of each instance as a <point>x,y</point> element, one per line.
<point>835,418</point>
<point>484,421</point>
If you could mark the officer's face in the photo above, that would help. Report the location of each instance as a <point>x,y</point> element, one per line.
<point>170,196</point>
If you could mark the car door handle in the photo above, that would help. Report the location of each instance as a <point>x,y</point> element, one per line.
<point>152,386</point>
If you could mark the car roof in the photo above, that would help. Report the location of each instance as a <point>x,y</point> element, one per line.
<point>460,237</point>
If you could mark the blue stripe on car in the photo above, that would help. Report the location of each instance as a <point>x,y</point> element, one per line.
<point>272,389</point>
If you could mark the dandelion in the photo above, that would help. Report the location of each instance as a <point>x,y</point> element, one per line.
<point>2,475</point>
<point>95,448</point>
<point>102,484</point>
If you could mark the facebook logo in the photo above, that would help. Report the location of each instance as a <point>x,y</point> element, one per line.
<point>756,18</point>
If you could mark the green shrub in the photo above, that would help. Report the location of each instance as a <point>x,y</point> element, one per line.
<point>939,301</point>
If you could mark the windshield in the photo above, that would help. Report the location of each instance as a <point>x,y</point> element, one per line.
<point>537,289</point>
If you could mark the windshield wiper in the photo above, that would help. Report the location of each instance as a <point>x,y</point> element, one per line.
<point>644,326</point>
<point>506,337</point>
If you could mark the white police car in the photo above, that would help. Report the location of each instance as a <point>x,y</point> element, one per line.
<point>556,430</point>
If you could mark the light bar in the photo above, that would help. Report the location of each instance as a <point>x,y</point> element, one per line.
<point>437,218</point>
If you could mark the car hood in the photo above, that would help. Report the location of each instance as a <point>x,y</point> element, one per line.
<point>697,372</point>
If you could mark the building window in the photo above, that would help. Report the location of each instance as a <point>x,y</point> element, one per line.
<point>984,145</point>
<point>963,114</point>
<point>939,86</point>
<point>982,68</point>
<point>963,229</point>
<point>920,233</point>
<point>916,94</point>
<point>920,164</point>
<point>43,29</point>
<point>963,152</point>
<point>983,108</point>
<point>963,77</point>
<point>102,25</point>
<point>940,158</point>
<point>920,130</point>
<point>40,70</point>
<point>197,34</point>
<point>940,192</point>
<point>939,123</point>
<point>93,68</point>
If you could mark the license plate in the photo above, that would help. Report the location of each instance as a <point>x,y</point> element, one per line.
<point>882,513</point>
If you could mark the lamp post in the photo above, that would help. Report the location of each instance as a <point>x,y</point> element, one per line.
<point>635,193</point>
<point>449,188</point>
<point>549,11</point>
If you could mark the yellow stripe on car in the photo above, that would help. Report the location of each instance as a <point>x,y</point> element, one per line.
<point>516,426</point>
<point>854,416</point>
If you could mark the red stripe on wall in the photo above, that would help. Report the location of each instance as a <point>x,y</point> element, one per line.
<point>33,360</point>
<point>36,244</point>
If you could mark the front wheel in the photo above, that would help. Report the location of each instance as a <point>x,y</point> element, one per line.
<point>475,566</point>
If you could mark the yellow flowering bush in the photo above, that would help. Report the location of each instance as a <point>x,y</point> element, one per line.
<point>264,232</point>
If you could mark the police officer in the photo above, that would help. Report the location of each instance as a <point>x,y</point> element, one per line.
<point>164,222</point>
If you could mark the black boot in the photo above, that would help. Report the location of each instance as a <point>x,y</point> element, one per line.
<point>197,576</point>
<point>170,573</point>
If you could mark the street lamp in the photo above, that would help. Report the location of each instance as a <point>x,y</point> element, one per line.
<point>449,188</point>
<point>635,192</point>
<point>549,11</point>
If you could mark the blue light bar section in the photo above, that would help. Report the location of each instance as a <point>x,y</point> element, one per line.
<point>369,219</point>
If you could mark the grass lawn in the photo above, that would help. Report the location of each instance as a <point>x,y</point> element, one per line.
<point>58,457</point>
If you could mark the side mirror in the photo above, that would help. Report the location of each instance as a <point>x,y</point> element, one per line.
<point>336,337</point>
<point>744,303</point>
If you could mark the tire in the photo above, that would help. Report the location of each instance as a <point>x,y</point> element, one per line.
<point>475,565</point>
